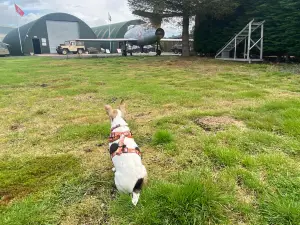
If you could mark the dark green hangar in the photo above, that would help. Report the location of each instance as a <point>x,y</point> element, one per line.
<point>117,30</point>
<point>42,36</point>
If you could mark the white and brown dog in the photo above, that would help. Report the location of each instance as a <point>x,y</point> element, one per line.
<point>130,173</point>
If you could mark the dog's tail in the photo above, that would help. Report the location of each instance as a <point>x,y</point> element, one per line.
<point>137,191</point>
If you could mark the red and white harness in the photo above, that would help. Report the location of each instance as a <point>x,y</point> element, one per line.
<point>122,148</point>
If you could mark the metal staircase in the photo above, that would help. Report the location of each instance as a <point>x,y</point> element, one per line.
<point>244,35</point>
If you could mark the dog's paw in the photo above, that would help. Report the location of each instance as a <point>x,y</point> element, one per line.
<point>113,169</point>
<point>135,198</point>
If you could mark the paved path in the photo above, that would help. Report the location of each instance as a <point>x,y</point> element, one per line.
<point>102,55</point>
<point>70,56</point>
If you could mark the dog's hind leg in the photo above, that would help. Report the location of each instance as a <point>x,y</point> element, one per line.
<point>136,191</point>
<point>135,198</point>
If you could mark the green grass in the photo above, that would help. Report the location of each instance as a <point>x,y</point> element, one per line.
<point>192,201</point>
<point>162,137</point>
<point>25,184</point>
<point>54,163</point>
<point>36,174</point>
<point>83,132</point>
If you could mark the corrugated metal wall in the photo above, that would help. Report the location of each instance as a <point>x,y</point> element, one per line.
<point>38,30</point>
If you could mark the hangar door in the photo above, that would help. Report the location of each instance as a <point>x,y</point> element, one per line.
<point>61,31</point>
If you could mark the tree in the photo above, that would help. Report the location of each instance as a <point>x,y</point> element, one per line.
<point>281,34</point>
<point>156,10</point>
<point>282,25</point>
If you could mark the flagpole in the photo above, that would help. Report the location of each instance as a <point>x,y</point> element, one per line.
<point>109,19</point>
<point>18,29</point>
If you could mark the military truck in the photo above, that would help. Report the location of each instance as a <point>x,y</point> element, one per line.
<point>76,47</point>
<point>177,48</point>
<point>3,49</point>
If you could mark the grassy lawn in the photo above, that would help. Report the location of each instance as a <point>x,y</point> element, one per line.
<point>220,140</point>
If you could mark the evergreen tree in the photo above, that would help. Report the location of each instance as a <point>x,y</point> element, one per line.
<point>282,29</point>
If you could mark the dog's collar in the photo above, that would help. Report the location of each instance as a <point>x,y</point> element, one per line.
<point>115,127</point>
<point>114,136</point>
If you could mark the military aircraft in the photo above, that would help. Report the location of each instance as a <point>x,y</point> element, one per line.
<point>140,35</point>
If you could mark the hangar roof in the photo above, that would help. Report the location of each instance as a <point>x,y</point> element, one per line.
<point>38,28</point>
<point>117,30</point>
<point>5,30</point>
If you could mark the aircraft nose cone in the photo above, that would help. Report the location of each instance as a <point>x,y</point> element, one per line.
<point>160,33</point>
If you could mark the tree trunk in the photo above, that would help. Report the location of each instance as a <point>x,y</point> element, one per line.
<point>185,36</point>
<point>197,39</point>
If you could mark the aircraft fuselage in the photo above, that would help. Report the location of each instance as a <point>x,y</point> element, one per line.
<point>144,34</point>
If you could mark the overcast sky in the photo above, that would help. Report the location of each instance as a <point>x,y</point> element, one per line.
<point>93,12</point>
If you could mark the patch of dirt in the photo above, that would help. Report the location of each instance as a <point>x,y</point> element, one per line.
<point>211,123</point>
<point>59,98</point>
<point>284,94</point>
<point>84,119</point>
<point>101,83</point>
<point>16,127</point>
<point>180,63</point>
<point>41,112</point>
<point>170,106</point>
<point>87,150</point>
<point>44,85</point>
<point>100,144</point>
<point>5,199</point>
<point>84,97</point>
<point>142,114</point>
<point>60,80</point>
<point>9,196</point>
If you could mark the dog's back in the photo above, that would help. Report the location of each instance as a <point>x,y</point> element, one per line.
<point>129,170</point>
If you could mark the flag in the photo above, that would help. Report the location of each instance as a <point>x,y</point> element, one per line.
<point>109,17</point>
<point>19,10</point>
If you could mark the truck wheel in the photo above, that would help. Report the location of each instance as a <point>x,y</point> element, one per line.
<point>176,51</point>
<point>80,51</point>
<point>64,51</point>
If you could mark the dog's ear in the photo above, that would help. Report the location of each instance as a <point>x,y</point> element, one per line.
<point>109,110</point>
<point>112,113</point>
<point>123,107</point>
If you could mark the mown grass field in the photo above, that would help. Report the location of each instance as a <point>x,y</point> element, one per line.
<point>220,140</point>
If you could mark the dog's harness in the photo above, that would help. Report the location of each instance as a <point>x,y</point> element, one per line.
<point>122,148</point>
<point>117,135</point>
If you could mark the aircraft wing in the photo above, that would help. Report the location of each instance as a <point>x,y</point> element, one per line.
<point>174,39</point>
<point>109,39</point>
